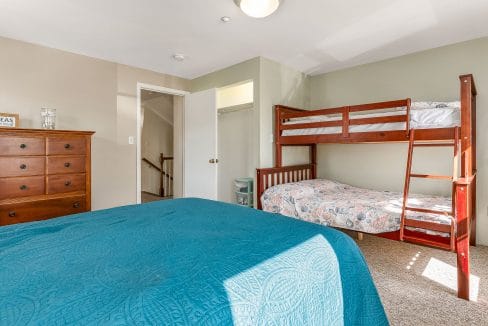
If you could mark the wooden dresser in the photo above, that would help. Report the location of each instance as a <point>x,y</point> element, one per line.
<point>43,174</point>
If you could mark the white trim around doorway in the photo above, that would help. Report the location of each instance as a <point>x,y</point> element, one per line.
<point>154,88</point>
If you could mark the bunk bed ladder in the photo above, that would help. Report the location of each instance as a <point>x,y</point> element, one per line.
<point>432,226</point>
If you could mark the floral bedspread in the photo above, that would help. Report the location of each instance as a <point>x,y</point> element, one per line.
<point>339,205</point>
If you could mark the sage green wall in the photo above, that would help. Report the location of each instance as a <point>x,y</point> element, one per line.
<point>280,85</point>
<point>427,75</point>
<point>274,83</point>
<point>244,71</point>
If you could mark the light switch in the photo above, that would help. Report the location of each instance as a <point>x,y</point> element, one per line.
<point>131,140</point>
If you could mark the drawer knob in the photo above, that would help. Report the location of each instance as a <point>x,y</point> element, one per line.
<point>23,146</point>
<point>23,187</point>
<point>67,183</point>
<point>23,166</point>
<point>67,146</point>
<point>76,204</point>
<point>67,164</point>
<point>11,214</point>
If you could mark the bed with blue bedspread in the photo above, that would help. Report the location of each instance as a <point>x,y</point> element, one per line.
<point>183,262</point>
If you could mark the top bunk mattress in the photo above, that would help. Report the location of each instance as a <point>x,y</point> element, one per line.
<point>423,115</point>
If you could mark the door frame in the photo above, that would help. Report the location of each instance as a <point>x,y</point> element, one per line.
<point>159,89</point>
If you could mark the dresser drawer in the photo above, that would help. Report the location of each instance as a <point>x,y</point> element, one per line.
<point>21,166</point>
<point>65,183</point>
<point>22,146</point>
<point>66,146</point>
<point>41,210</point>
<point>21,187</point>
<point>65,164</point>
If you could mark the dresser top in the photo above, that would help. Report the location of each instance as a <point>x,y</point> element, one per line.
<point>44,131</point>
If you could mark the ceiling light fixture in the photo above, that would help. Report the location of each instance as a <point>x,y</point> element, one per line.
<point>225,19</point>
<point>258,8</point>
<point>178,57</point>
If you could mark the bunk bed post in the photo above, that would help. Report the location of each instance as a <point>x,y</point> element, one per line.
<point>462,240</point>
<point>277,134</point>
<point>313,160</point>
<point>407,123</point>
<point>468,147</point>
<point>260,187</point>
<point>465,196</point>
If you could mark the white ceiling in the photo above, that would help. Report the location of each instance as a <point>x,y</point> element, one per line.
<point>313,36</point>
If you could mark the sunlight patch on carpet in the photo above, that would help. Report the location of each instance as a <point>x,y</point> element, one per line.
<point>446,275</point>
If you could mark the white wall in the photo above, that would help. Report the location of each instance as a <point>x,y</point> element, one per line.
<point>428,75</point>
<point>235,151</point>
<point>88,94</point>
<point>239,94</point>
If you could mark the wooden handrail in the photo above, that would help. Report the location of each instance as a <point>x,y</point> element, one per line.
<point>165,171</point>
<point>151,164</point>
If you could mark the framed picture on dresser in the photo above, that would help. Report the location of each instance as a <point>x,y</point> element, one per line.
<point>9,120</point>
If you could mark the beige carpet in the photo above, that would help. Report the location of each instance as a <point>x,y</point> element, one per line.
<point>147,197</point>
<point>414,283</point>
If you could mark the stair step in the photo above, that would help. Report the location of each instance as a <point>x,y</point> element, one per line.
<point>431,176</point>
<point>428,211</point>
<point>426,225</point>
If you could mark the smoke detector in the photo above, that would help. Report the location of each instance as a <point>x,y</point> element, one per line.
<point>178,57</point>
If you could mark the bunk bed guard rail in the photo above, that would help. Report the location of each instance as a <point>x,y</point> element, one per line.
<point>342,117</point>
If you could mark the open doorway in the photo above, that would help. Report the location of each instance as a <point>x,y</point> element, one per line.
<point>159,143</point>
<point>157,175</point>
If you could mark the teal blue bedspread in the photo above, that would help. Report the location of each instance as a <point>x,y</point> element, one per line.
<point>183,262</point>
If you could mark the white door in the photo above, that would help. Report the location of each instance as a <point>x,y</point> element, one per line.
<point>200,167</point>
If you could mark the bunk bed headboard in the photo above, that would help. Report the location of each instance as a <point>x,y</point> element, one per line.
<point>270,177</point>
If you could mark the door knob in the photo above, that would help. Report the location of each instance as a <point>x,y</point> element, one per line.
<point>211,161</point>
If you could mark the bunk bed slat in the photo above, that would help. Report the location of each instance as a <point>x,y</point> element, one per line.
<point>345,122</point>
<point>427,211</point>
<point>306,125</point>
<point>369,121</point>
<point>426,242</point>
<point>379,105</point>
<point>432,176</point>
<point>433,145</point>
<point>428,225</point>
<point>291,115</point>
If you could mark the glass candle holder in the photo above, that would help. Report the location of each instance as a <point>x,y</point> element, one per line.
<point>48,118</point>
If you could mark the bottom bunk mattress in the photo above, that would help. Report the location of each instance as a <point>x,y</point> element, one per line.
<point>183,262</point>
<point>339,205</point>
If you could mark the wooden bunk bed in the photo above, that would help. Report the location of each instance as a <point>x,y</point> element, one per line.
<point>348,129</point>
